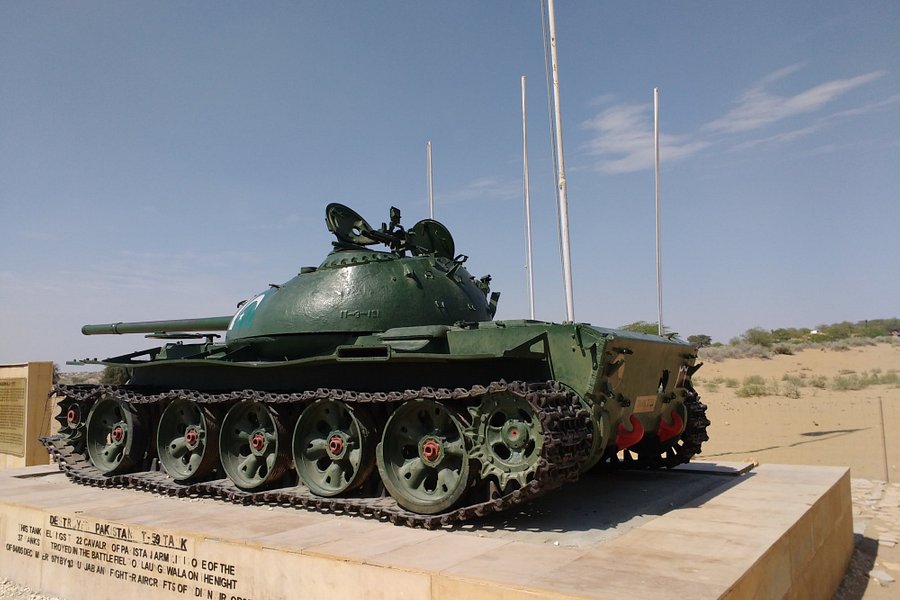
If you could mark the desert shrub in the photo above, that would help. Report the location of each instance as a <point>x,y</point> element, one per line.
<point>758,336</point>
<point>731,382</point>
<point>700,340</point>
<point>844,383</point>
<point>114,375</point>
<point>783,349</point>
<point>890,378</point>
<point>644,327</point>
<point>818,381</point>
<point>849,380</point>
<point>794,380</point>
<point>754,385</point>
<point>791,391</point>
<point>739,350</point>
<point>711,386</point>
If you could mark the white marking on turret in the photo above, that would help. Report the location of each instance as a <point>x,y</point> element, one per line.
<point>241,313</point>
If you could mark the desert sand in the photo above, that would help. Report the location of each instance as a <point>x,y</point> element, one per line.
<point>823,426</point>
<point>856,428</point>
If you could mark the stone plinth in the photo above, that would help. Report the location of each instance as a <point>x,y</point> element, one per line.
<point>775,532</point>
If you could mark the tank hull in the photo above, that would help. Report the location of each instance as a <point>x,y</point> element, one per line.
<point>586,396</point>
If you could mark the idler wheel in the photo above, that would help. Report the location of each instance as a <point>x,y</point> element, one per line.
<point>116,436</point>
<point>422,457</point>
<point>72,422</point>
<point>253,445</point>
<point>186,441</point>
<point>333,447</point>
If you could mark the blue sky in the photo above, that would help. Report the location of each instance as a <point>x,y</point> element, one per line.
<point>167,160</point>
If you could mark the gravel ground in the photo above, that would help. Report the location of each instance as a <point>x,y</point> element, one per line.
<point>12,591</point>
<point>875,564</point>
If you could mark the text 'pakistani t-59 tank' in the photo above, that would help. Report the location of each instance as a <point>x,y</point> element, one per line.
<point>377,384</point>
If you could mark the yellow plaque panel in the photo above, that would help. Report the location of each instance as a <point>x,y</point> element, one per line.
<point>644,404</point>
<point>12,416</point>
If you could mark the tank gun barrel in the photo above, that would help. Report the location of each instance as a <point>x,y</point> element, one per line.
<point>171,326</point>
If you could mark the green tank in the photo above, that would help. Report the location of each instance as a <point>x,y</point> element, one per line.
<point>378,384</point>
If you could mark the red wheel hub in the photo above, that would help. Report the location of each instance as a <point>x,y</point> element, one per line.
<point>335,444</point>
<point>258,442</point>
<point>431,450</point>
<point>191,436</point>
<point>118,434</point>
<point>72,416</point>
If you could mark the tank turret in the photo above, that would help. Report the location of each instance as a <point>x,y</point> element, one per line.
<point>355,291</point>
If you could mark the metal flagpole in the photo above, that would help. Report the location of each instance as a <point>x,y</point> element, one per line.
<point>658,253</point>
<point>561,169</point>
<point>528,264</point>
<point>429,177</point>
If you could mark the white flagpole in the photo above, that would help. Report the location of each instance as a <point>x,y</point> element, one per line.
<point>528,264</point>
<point>561,169</point>
<point>429,178</point>
<point>658,253</point>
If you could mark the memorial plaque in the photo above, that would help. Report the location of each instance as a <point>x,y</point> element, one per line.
<point>12,416</point>
<point>160,563</point>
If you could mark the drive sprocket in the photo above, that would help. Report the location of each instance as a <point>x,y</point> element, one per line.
<point>507,438</point>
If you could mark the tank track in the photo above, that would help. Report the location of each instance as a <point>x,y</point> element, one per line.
<point>565,424</point>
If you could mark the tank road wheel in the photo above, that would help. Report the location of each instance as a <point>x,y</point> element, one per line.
<point>72,419</point>
<point>186,441</point>
<point>253,445</point>
<point>422,457</point>
<point>511,439</point>
<point>116,436</point>
<point>333,447</point>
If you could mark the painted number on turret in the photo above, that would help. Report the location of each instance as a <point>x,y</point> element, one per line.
<point>358,314</point>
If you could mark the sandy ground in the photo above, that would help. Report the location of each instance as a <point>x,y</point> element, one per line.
<point>859,429</point>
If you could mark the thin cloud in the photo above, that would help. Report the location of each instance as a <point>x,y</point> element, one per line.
<point>484,188</point>
<point>622,137</point>
<point>867,108</point>
<point>759,107</point>
<point>819,124</point>
<point>780,138</point>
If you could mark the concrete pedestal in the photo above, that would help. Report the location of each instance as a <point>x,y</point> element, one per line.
<point>776,532</point>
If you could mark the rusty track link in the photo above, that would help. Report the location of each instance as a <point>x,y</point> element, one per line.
<point>565,424</point>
